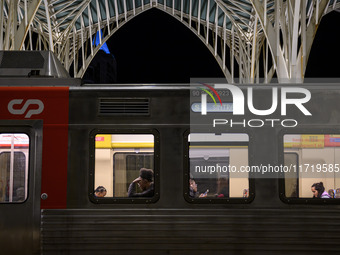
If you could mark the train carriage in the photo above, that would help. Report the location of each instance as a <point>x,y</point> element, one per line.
<point>73,138</point>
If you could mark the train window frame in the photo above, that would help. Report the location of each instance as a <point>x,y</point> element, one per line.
<point>229,200</point>
<point>156,170</point>
<point>281,179</point>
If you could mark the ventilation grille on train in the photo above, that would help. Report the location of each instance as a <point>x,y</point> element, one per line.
<point>124,106</point>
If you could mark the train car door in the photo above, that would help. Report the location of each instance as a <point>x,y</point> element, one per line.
<point>20,177</point>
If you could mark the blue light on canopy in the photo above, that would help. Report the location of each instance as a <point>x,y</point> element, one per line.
<point>96,42</point>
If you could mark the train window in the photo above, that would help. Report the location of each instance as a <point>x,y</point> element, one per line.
<point>213,163</point>
<point>14,154</point>
<point>124,166</point>
<point>312,167</point>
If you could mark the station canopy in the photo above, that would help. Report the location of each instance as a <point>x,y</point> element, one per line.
<point>236,32</point>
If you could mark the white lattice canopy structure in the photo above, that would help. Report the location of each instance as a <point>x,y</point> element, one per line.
<point>238,32</point>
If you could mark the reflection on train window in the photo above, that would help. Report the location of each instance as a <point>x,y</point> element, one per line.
<point>312,160</point>
<point>291,178</point>
<point>214,162</point>
<point>14,154</point>
<point>118,160</point>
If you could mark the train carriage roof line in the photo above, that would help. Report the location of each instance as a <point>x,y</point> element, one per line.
<point>31,64</point>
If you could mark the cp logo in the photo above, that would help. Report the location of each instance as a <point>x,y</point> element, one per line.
<point>33,102</point>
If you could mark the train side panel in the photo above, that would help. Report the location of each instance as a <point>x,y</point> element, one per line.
<point>172,225</point>
<point>66,135</point>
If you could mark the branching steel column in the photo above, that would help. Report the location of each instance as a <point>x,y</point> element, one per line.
<point>22,30</point>
<point>2,21</point>
<point>290,59</point>
<point>51,45</point>
<point>282,30</point>
<point>10,26</point>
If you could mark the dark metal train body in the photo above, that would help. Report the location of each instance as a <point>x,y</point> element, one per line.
<point>61,215</point>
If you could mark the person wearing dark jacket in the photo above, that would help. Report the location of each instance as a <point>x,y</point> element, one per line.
<point>100,191</point>
<point>144,182</point>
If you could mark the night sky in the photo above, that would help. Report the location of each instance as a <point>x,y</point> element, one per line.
<point>325,54</point>
<point>156,48</point>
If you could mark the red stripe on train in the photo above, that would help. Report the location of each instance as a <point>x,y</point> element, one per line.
<point>51,104</point>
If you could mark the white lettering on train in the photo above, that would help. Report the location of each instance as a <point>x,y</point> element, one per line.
<point>238,100</point>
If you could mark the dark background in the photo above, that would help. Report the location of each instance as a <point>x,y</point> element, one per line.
<point>156,48</point>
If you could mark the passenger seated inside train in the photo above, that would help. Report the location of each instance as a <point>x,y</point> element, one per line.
<point>100,191</point>
<point>219,190</point>
<point>193,188</point>
<point>331,192</point>
<point>20,194</point>
<point>193,192</point>
<point>246,193</point>
<point>319,191</point>
<point>222,188</point>
<point>337,193</point>
<point>144,182</point>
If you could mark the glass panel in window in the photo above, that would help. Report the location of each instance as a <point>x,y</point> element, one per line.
<point>314,160</point>
<point>119,159</point>
<point>211,158</point>
<point>14,153</point>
